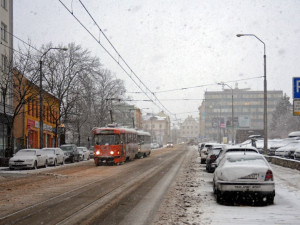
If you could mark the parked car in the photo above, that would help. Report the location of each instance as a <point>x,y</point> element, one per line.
<point>85,153</point>
<point>55,156</point>
<point>278,143</point>
<point>288,150</point>
<point>91,150</point>
<point>234,148</point>
<point>244,174</point>
<point>170,144</point>
<point>211,158</point>
<point>28,158</point>
<point>71,152</point>
<point>204,151</point>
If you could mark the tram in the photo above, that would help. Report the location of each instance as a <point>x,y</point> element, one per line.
<point>114,145</point>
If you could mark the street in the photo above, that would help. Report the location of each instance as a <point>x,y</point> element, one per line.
<point>169,187</point>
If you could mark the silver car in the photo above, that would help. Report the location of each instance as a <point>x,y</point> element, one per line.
<point>28,158</point>
<point>84,153</point>
<point>245,174</point>
<point>55,156</point>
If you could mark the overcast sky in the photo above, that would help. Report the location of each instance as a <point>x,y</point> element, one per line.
<point>174,44</point>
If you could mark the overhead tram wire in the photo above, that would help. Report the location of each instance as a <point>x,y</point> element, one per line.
<point>198,86</point>
<point>120,57</point>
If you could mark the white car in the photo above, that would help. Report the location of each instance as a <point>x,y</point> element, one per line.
<point>28,158</point>
<point>55,156</point>
<point>288,150</point>
<point>244,174</point>
<point>297,154</point>
<point>85,153</point>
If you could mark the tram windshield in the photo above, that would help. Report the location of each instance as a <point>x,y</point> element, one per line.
<point>107,139</point>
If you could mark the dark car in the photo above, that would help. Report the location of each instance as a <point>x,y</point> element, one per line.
<point>71,152</point>
<point>211,158</point>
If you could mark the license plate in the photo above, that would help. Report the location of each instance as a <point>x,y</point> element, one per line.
<point>18,163</point>
<point>247,187</point>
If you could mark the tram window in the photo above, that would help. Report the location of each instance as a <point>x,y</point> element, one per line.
<point>108,139</point>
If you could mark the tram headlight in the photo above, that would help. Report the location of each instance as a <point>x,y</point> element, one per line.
<point>111,152</point>
<point>98,152</point>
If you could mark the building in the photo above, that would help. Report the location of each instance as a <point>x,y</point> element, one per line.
<point>158,126</point>
<point>248,112</point>
<point>6,54</point>
<point>27,121</point>
<point>189,130</point>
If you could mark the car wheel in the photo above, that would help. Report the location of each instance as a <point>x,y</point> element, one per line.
<point>270,199</point>
<point>11,168</point>
<point>73,160</point>
<point>46,163</point>
<point>35,165</point>
<point>219,196</point>
<point>55,162</point>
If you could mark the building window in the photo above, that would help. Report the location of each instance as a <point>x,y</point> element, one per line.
<point>3,32</point>
<point>4,4</point>
<point>3,63</point>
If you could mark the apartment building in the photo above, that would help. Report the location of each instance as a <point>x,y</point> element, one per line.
<point>6,46</point>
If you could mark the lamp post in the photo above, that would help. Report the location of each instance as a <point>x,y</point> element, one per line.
<point>232,111</point>
<point>265,92</point>
<point>41,95</point>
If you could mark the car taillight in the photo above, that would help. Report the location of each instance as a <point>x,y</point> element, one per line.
<point>269,176</point>
<point>98,152</point>
<point>213,157</point>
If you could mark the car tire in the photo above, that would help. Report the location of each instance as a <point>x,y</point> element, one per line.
<point>63,162</point>
<point>46,164</point>
<point>73,160</point>
<point>219,196</point>
<point>55,162</point>
<point>270,199</point>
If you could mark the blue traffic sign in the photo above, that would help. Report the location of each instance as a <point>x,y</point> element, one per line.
<point>296,87</point>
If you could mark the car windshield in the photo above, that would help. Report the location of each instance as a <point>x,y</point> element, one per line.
<point>67,148</point>
<point>26,153</point>
<point>49,151</point>
<point>107,139</point>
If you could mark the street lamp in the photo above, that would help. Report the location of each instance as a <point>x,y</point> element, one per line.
<point>265,92</point>
<point>232,112</point>
<point>41,95</point>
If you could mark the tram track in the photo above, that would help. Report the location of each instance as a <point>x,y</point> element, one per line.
<point>79,204</point>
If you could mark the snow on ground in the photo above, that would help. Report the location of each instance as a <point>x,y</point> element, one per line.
<point>191,200</point>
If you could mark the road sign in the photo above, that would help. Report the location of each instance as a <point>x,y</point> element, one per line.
<point>296,87</point>
<point>296,107</point>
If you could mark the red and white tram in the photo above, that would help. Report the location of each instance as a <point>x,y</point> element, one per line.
<point>114,145</point>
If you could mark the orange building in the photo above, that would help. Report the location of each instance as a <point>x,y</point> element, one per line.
<point>26,126</point>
